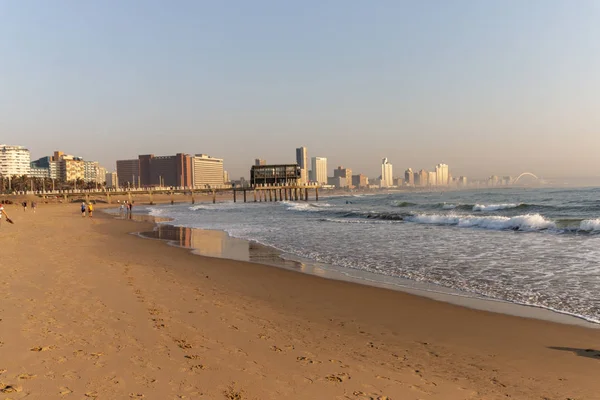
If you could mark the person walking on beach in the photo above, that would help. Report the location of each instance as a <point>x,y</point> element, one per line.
<point>24,205</point>
<point>90,210</point>
<point>33,206</point>
<point>83,208</point>
<point>3,213</point>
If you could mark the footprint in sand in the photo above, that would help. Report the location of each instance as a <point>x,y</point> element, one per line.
<point>26,376</point>
<point>306,360</point>
<point>197,368</point>
<point>338,377</point>
<point>65,391</point>
<point>10,389</point>
<point>41,348</point>
<point>183,344</point>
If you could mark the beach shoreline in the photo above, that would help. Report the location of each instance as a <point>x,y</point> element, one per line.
<point>239,249</point>
<point>93,311</point>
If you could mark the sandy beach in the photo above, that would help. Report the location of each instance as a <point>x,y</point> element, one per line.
<point>90,311</point>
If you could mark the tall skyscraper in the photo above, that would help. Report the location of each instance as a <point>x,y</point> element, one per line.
<point>441,172</point>
<point>260,161</point>
<point>409,177</point>
<point>423,178</point>
<point>387,178</point>
<point>302,160</point>
<point>319,170</point>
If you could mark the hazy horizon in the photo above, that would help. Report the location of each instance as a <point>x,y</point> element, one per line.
<point>486,87</point>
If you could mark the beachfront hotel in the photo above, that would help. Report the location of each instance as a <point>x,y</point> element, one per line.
<point>207,171</point>
<point>14,160</point>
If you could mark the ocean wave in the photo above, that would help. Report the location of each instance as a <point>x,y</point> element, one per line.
<point>590,225</point>
<point>528,222</point>
<point>403,204</point>
<point>306,207</point>
<point>494,207</point>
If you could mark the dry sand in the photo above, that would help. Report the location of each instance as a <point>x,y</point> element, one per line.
<point>89,311</point>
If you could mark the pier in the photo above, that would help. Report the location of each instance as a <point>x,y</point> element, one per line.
<point>259,193</point>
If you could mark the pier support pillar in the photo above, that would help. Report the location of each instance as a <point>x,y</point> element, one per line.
<point>244,195</point>
<point>214,196</point>
<point>150,196</point>
<point>193,199</point>
<point>270,195</point>
<point>306,194</point>
<point>296,194</point>
<point>107,198</point>
<point>254,192</point>
<point>234,198</point>
<point>317,193</point>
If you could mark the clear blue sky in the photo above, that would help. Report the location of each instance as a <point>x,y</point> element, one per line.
<point>485,86</point>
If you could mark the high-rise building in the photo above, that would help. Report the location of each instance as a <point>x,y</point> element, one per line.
<point>128,172</point>
<point>387,177</point>
<point>441,171</point>
<point>345,173</point>
<point>423,178</point>
<point>319,170</point>
<point>302,160</point>
<point>409,177</point>
<point>207,171</point>
<point>360,181</point>
<point>91,171</point>
<point>71,168</point>
<point>14,160</point>
<point>432,181</point>
<point>112,180</point>
<point>101,178</point>
<point>259,161</point>
<point>166,171</point>
<point>49,164</point>
<point>462,181</point>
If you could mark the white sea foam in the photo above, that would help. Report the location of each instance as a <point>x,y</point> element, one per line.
<point>590,225</point>
<point>528,222</point>
<point>215,207</point>
<point>449,206</point>
<point>307,207</point>
<point>494,207</point>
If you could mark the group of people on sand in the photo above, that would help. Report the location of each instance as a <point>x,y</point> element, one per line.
<point>126,207</point>
<point>89,208</point>
<point>24,204</point>
<point>33,206</point>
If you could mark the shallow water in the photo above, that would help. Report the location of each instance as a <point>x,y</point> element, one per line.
<point>535,247</point>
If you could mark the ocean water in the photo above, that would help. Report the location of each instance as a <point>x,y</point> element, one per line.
<point>538,247</point>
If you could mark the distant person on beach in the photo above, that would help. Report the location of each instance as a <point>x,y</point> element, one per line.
<point>33,206</point>
<point>83,208</point>
<point>90,210</point>
<point>24,206</point>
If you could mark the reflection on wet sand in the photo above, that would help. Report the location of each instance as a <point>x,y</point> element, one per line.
<point>219,244</point>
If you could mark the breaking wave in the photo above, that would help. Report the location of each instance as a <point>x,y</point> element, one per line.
<point>528,222</point>
<point>494,207</point>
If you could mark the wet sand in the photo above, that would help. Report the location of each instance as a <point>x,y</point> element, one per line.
<point>91,311</point>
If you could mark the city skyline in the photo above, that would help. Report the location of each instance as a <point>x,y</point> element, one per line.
<point>492,88</point>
